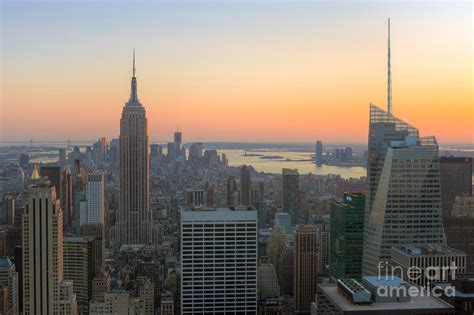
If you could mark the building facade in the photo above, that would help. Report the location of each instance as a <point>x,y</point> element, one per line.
<point>347,236</point>
<point>304,275</point>
<point>219,261</point>
<point>403,204</point>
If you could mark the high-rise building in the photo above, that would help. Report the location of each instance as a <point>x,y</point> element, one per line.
<point>147,296</point>
<point>456,180</point>
<point>9,278</point>
<point>291,194</point>
<point>219,261</point>
<point>44,291</point>
<point>403,204</point>
<point>406,259</point>
<point>7,210</point>
<point>232,194</point>
<point>134,217</point>
<point>95,199</point>
<point>268,286</point>
<point>195,153</point>
<point>304,274</point>
<point>24,161</point>
<point>245,186</point>
<point>116,303</point>
<point>66,197</point>
<point>178,144</point>
<point>62,157</point>
<point>347,236</point>
<point>285,270</point>
<point>319,152</point>
<point>79,267</point>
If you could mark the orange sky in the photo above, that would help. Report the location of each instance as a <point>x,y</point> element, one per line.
<point>240,72</point>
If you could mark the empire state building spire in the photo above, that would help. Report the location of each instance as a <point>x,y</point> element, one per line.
<point>133,101</point>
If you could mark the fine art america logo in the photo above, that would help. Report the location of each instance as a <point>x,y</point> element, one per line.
<point>419,281</point>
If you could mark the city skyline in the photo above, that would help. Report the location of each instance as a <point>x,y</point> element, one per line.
<point>316,79</point>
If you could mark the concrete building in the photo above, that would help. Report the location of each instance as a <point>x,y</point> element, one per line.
<point>167,303</point>
<point>347,236</point>
<point>456,180</point>
<point>9,278</point>
<point>304,272</point>
<point>245,186</point>
<point>44,291</point>
<point>291,194</point>
<point>369,297</point>
<point>219,261</point>
<point>403,204</point>
<point>7,210</point>
<point>95,199</point>
<point>78,257</point>
<point>97,231</point>
<point>463,297</point>
<point>268,286</point>
<point>117,303</point>
<point>445,263</point>
<point>100,286</point>
<point>147,295</point>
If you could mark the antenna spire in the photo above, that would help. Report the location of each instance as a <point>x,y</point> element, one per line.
<point>133,62</point>
<point>389,73</point>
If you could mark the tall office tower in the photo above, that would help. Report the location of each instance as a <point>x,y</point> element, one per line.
<point>24,161</point>
<point>178,144</point>
<point>66,197</point>
<point>195,153</point>
<point>322,245</point>
<point>403,204</point>
<point>211,196</point>
<point>95,199</point>
<point>291,194</point>
<point>7,210</point>
<point>171,151</point>
<point>245,186</point>
<point>62,157</point>
<point>44,291</point>
<point>232,193</point>
<point>9,278</point>
<point>276,244</point>
<point>97,231</point>
<point>319,152</point>
<point>456,180</point>
<point>219,261</point>
<point>134,216</point>
<point>78,267</point>
<point>268,286</point>
<point>347,236</point>
<point>304,272</point>
<point>285,270</point>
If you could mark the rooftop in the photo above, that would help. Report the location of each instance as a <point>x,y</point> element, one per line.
<point>428,249</point>
<point>416,303</point>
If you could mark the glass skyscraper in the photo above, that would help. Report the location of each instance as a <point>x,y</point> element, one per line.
<point>347,234</point>
<point>403,205</point>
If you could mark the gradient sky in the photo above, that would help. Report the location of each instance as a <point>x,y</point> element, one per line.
<point>240,71</point>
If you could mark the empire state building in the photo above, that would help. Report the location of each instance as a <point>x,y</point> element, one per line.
<point>134,219</point>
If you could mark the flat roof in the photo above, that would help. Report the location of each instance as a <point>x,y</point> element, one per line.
<point>219,214</point>
<point>428,250</point>
<point>416,303</point>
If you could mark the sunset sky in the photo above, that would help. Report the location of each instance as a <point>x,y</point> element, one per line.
<point>241,71</point>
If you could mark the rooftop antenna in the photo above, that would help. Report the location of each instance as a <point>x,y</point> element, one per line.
<point>133,62</point>
<point>389,83</point>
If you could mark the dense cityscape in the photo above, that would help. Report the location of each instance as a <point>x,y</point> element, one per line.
<point>134,227</point>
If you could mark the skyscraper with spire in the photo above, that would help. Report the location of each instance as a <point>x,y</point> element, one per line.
<point>134,219</point>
